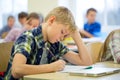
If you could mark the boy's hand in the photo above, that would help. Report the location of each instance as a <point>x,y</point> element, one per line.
<point>58,65</point>
<point>73,34</point>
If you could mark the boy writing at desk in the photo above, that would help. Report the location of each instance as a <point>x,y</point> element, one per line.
<point>30,54</point>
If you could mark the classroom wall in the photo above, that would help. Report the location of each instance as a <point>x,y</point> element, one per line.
<point>41,6</point>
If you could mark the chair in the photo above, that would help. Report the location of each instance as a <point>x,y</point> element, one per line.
<point>4,35</point>
<point>5,50</point>
<point>106,44</point>
<point>94,50</point>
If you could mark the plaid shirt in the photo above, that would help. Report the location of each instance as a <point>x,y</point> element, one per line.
<point>113,49</point>
<point>32,46</point>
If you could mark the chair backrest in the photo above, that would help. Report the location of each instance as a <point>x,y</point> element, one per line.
<point>94,50</point>
<point>105,45</point>
<point>4,35</point>
<point>5,50</point>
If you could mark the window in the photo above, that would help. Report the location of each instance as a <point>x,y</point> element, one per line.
<point>108,12</point>
<point>113,12</point>
<point>11,7</point>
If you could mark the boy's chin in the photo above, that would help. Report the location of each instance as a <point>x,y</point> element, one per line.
<point>52,42</point>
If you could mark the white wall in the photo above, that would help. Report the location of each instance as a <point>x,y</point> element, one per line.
<point>41,6</point>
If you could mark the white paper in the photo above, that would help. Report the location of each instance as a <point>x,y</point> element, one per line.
<point>72,68</point>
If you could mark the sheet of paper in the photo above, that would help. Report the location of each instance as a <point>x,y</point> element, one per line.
<point>72,68</point>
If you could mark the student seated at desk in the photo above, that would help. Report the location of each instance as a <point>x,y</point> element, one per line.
<point>39,50</point>
<point>111,48</point>
<point>9,26</point>
<point>32,22</point>
<point>91,28</point>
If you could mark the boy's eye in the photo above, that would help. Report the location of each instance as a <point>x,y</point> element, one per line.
<point>65,36</point>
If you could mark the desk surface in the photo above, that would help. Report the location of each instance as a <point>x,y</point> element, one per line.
<point>66,76</point>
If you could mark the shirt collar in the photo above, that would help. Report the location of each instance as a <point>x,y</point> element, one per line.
<point>39,37</point>
<point>91,23</point>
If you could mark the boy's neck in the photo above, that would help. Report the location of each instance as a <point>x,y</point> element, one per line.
<point>89,22</point>
<point>44,31</point>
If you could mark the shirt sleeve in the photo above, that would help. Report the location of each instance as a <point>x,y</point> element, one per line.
<point>97,30</point>
<point>63,49</point>
<point>23,44</point>
<point>10,36</point>
<point>115,47</point>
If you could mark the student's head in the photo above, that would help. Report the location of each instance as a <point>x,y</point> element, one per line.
<point>10,21</point>
<point>60,23</point>
<point>33,20</point>
<point>22,17</point>
<point>91,15</point>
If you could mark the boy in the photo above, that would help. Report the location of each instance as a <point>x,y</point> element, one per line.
<point>91,28</point>
<point>38,51</point>
<point>22,17</point>
<point>9,26</point>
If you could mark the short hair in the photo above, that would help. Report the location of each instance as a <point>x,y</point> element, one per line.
<point>22,15</point>
<point>10,17</point>
<point>64,16</point>
<point>91,9</point>
<point>33,15</point>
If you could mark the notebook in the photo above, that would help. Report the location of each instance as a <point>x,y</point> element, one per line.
<point>95,71</point>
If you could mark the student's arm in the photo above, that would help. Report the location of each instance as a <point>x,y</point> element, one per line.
<point>86,34</point>
<point>115,46</point>
<point>20,68</point>
<point>81,58</point>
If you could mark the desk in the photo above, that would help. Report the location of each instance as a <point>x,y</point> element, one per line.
<point>85,40</point>
<point>94,39</point>
<point>66,76</point>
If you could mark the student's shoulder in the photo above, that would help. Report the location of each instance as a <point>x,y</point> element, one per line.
<point>15,29</point>
<point>86,23</point>
<point>4,28</point>
<point>37,31</point>
<point>97,23</point>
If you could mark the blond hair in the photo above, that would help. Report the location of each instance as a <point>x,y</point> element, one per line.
<point>64,16</point>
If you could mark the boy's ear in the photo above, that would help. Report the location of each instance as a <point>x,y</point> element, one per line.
<point>51,19</point>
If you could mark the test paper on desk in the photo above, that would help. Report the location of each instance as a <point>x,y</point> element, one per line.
<point>71,68</point>
<point>89,71</point>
